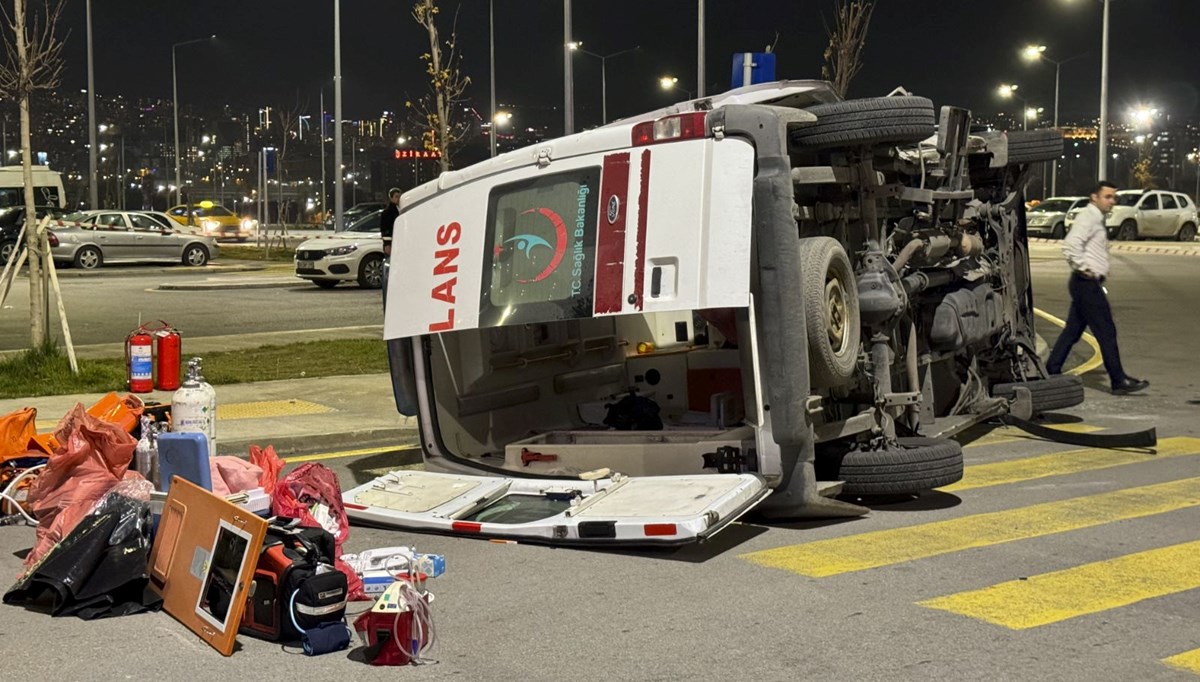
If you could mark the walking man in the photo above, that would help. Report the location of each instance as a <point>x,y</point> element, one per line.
<point>1086,249</point>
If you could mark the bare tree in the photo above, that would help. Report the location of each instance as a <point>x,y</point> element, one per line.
<point>843,56</point>
<point>288,124</point>
<point>32,61</point>
<point>439,112</point>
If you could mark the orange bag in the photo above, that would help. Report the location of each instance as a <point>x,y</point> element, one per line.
<point>271,466</point>
<point>94,455</point>
<point>124,412</point>
<point>16,428</point>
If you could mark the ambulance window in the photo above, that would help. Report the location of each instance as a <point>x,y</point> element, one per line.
<point>540,260</point>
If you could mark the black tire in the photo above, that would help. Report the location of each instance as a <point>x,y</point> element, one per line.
<point>1055,393</point>
<point>195,255</point>
<point>8,249</point>
<point>370,272</point>
<point>830,310</point>
<point>1032,146</point>
<point>1187,233</point>
<point>1059,230</point>
<point>88,258</point>
<point>911,466</point>
<point>1128,231</point>
<point>325,283</point>
<point>867,122</point>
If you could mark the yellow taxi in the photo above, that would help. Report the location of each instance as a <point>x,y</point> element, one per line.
<point>214,220</point>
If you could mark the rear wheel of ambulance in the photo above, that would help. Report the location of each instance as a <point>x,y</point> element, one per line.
<point>907,467</point>
<point>830,311</point>
<point>867,122</point>
<point>1033,146</point>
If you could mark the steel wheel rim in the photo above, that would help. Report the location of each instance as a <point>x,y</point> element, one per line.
<point>835,314</point>
<point>89,259</point>
<point>6,252</point>
<point>374,272</point>
<point>196,256</point>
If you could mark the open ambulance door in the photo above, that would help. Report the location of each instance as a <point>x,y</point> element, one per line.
<point>615,510</point>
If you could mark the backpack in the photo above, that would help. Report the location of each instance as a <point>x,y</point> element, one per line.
<point>295,584</point>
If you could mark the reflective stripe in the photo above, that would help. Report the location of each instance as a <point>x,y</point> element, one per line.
<point>320,610</point>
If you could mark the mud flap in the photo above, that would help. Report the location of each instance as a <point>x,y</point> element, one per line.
<point>1146,438</point>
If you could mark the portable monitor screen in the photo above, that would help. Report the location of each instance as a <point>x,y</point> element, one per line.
<point>221,581</point>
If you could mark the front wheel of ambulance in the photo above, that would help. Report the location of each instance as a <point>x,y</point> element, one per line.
<point>867,122</point>
<point>830,310</point>
<point>907,467</point>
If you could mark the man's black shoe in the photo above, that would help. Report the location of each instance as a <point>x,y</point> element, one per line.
<point>1130,385</point>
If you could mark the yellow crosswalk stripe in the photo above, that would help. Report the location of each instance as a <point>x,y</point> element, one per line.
<point>1069,462</point>
<point>1081,590</point>
<point>1011,434</point>
<point>1188,660</point>
<point>824,558</point>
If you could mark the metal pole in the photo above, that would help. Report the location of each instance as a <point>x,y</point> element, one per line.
<point>1054,163</point>
<point>175,111</point>
<point>604,90</point>
<point>700,49</point>
<point>492,69</point>
<point>324,186</point>
<point>339,192</point>
<point>93,190</point>
<point>1102,167</point>
<point>1196,196</point>
<point>568,86</point>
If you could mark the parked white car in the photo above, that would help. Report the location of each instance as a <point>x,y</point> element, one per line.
<point>93,238</point>
<point>352,255</point>
<point>1150,214</point>
<point>1049,218</point>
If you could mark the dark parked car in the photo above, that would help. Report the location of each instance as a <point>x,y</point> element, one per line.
<point>11,220</point>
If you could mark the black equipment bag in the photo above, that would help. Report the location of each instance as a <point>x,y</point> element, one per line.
<point>295,584</point>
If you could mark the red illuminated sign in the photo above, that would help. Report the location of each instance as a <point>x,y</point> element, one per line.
<point>416,154</point>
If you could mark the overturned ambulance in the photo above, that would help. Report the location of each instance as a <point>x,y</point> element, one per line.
<point>768,298</point>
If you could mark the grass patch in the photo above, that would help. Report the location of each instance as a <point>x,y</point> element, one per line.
<point>250,252</point>
<point>46,370</point>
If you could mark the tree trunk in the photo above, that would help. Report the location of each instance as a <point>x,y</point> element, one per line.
<point>35,239</point>
<point>443,115</point>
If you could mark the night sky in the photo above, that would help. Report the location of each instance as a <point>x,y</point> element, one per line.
<point>269,52</point>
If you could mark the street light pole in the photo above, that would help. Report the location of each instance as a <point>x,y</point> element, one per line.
<point>603,74</point>
<point>492,70</point>
<point>1102,167</point>
<point>700,48</point>
<point>93,190</point>
<point>175,111</point>
<point>324,180</point>
<point>339,192</point>
<point>568,81</point>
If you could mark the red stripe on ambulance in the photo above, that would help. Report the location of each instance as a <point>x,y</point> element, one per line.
<point>639,268</point>
<point>610,242</point>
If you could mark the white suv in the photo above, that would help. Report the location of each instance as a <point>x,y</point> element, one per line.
<point>354,254</point>
<point>1153,214</point>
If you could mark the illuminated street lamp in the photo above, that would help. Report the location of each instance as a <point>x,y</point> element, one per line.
<point>1032,113</point>
<point>1142,116</point>
<point>1035,53</point>
<point>672,83</point>
<point>1009,91</point>
<point>577,46</point>
<point>502,117</point>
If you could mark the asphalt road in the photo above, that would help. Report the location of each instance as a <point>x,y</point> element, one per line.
<point>104,308</point>
<point>1049,562</point>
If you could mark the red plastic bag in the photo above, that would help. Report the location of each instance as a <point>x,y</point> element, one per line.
<point>298,495</point>
<point>271,467</point>
<point>92,457</point>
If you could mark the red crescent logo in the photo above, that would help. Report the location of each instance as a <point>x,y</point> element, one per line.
<point>560,245</point>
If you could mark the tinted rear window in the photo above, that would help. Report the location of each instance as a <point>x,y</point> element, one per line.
<point>540,264</point>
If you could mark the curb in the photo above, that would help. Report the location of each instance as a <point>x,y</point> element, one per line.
<point>1182,249</point>
<point>292,446</point>
<point>212,286</point>
<point>175,270</point>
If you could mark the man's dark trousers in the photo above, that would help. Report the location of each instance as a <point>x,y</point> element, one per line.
<point>1089,310</point>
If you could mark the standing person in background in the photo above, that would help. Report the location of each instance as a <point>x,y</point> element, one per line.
<point>1086,249</point>
<point>387,220</point>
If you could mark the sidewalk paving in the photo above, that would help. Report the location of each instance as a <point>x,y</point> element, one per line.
<point>298,416</point>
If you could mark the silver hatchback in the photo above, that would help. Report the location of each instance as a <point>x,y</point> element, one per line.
<point>92,238</point>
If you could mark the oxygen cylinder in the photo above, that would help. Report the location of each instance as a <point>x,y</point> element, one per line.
<point>194,407</point>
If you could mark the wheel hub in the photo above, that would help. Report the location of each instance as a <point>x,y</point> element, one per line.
<point>835,314</point>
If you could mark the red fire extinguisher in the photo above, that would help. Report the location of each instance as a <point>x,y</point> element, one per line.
<point>138,361</point>
<point>167,345</point>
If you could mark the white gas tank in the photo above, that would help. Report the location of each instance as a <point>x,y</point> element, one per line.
<point>194,407</point>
